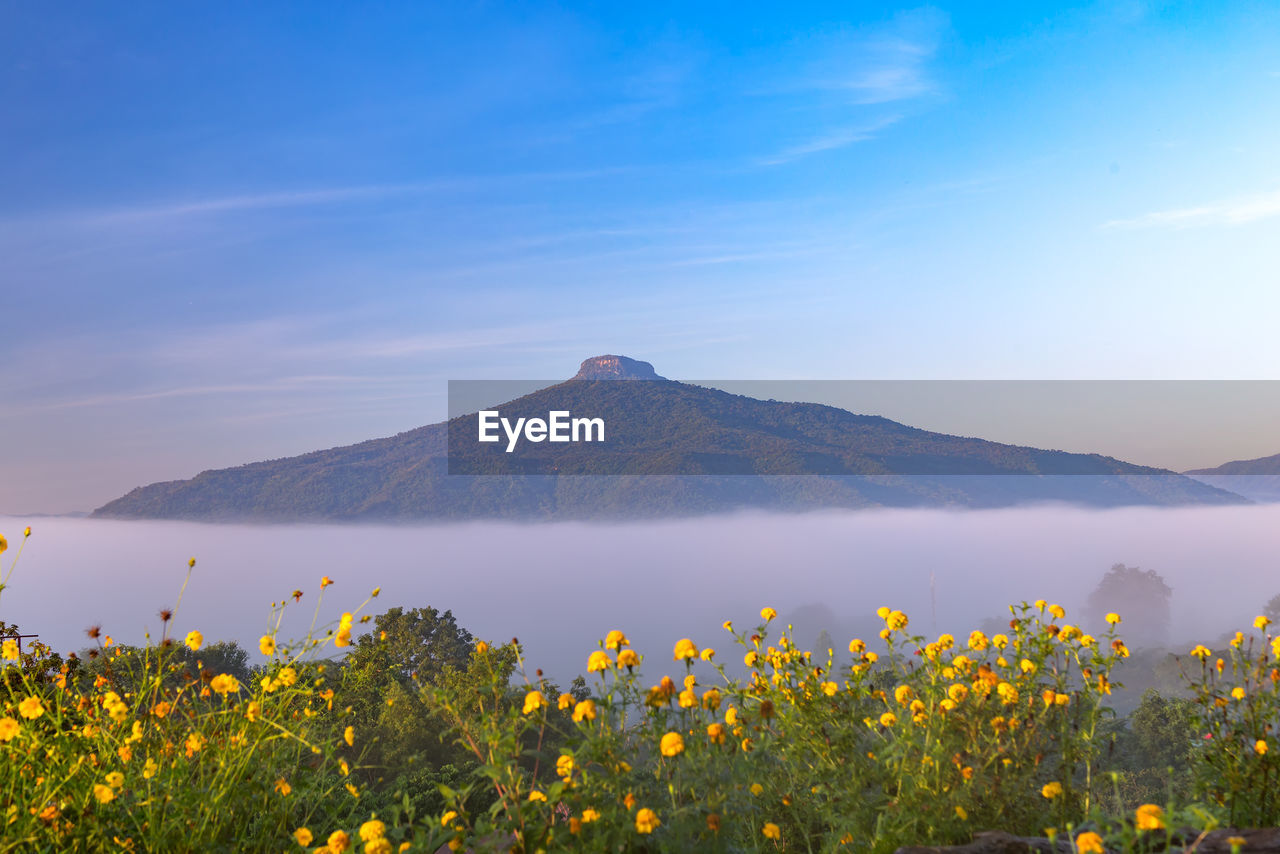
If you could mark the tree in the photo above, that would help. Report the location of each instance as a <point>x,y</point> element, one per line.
<point>1140,597</point>
<point>1272,609</point>
<point>417,643</point>
<point>381,679</point>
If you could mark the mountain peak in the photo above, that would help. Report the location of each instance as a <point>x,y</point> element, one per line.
<point>615,368</point>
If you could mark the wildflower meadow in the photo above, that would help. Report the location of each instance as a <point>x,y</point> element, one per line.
<point>733,739</point>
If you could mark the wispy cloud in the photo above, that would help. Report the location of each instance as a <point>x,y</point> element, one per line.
<point>889,70</point>
<point>830,141</point>
<point>1240,210</point>
<point>254,201</point>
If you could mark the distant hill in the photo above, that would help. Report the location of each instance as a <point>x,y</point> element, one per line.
<point>1258,480</point>
<point>687,450</point>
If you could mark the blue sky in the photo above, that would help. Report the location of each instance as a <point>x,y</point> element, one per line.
<point>231,232</point>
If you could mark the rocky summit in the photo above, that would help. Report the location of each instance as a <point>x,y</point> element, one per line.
<point>615,368</point>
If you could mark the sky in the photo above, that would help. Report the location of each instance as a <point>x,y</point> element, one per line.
<point>240,231</point>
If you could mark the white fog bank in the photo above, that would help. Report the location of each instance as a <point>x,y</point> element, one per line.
<point>559,587</point>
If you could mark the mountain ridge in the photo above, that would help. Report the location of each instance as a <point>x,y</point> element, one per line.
<point>684,450</point>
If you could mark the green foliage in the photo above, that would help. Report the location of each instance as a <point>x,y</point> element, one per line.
<point>920,746</point>
<point>1237,716</point>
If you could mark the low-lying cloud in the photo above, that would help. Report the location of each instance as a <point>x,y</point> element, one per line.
<point>560,587</point>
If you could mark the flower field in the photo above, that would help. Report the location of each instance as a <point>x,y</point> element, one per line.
<point>730,740</point>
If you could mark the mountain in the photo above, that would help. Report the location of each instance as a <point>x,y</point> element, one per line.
<point>672,449</point>
<point>1258,480</point>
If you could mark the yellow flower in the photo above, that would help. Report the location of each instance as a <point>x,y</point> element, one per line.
<point>195,640</point>
<point>888,719</point>
<point>1051,790</point>
<point>31,708</point>
<point>1260,747</point>
<point>282,786</point>
<point>9,650</point>
<point>829,688</point>
<point>481,647</point>
<point>9,728</point>
<point>857,646</point>
<point>1236,842</point>
<point>584,711</point>
<point>224,683</point>
<point>149,769</point>
<point>896,620</point>
<point>672,744</point>
<point>1113,618</point>
<point>1201,652</point>
<point>325,582</point>
<point>589,815</point>
<point>628,658</point>
<point>767,614</point>
<point>303,836</point>
<point>104,794</point>
<point>267,645</point>
<point>616,640</point>
<point>647,821</point>
<point>372,829</point>
<point>381,845</point>
<point>338,841</point>
<point>533,701</point>
<point>1057,611</point>
<point>1237,693</point>
<point>1261,622</point>
<point>707,654</point>
<point>684,649</point>
<point>4,544</point>
<point>977,641</point>
<point>535,795</point>
<point>771,831</point>
<point>565,701</point>
<point>902,694</point>
<point>756,789</point>
<point>962,813</point>
<point>1027,666</point>
<point>597,661</point>
<point>1149,817</point>
<point>958,692</point>
<point>564,765</point>
<point>1089,843</point>
<point>715,732</point>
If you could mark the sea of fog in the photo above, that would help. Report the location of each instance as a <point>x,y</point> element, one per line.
<point>559,587</point>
